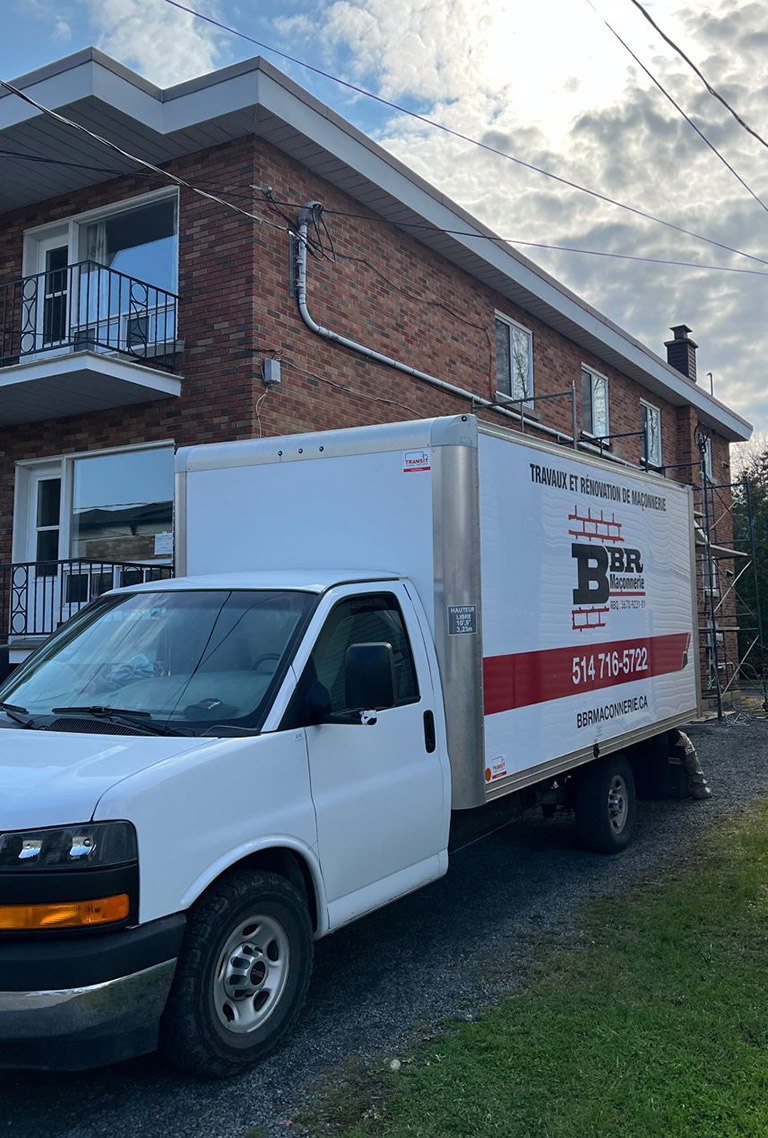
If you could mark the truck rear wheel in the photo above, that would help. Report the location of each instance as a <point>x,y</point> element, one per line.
<point>605,804</point>
<point>242,975</point>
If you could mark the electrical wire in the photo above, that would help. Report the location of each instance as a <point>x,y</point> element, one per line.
<point>318,250</point>
<point>132,157</point>
<point>538,244</point>
<point>345,389</point>
<point>697,71</point>
<point>679,109</point>
<point>442,127</point>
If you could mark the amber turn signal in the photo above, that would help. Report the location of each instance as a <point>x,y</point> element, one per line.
<point>64,914</point>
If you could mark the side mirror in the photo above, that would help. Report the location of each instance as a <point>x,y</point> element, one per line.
<point>369,677</point>
<point>317,704</point>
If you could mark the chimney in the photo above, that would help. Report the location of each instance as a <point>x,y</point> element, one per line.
<point>681,352</point>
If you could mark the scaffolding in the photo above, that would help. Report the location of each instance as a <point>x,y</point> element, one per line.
<point>730,625</point>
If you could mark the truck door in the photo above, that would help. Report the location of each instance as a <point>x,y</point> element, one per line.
<point>380,790</point>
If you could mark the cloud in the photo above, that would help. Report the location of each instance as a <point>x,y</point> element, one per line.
<point>161,42</point>
<point>546,83</point>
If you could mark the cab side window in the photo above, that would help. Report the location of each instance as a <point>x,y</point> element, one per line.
<point>362,620</point>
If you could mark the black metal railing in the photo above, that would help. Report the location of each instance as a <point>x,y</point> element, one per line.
<point>86,307</point>
<point>37,596</point>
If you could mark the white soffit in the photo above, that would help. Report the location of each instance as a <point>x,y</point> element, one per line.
<point>77,384</point>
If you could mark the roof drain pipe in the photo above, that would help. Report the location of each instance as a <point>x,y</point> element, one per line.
<point>308,214</point>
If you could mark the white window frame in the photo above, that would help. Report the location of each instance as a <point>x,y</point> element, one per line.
<point>69,228</point>
<point>593,375</point>
<point>23,483</point>
<point>646,406</point>
<point>528,399</point>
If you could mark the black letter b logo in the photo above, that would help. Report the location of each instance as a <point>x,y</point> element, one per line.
<point>593,588</point>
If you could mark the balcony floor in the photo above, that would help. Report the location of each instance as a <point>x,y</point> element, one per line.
<point>75,383</point>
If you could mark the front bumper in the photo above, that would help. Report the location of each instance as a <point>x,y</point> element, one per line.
<point>102,1000</point>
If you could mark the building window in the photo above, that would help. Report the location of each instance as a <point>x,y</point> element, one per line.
<point>594,403</point>
<point>708,458</point>
<point>514,359</point>
<point>141,243</point>
<point>122,506</point>
<point>116,506</point>
<point>107,278</point>
<point>652,425</point>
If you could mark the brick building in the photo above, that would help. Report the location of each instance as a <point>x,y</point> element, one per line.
<point>137,315</point>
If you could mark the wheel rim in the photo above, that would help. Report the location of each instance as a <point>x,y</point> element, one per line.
<point>618,803</point>
<point>251,973</point>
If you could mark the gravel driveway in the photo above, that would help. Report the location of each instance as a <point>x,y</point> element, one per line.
<point>443,951</point>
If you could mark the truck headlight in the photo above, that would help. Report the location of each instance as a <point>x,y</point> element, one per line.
<point>92,844</point>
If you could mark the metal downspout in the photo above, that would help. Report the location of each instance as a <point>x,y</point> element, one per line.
<point>388,361</point>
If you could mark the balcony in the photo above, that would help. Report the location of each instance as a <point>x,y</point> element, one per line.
<point>37,596</point>
<point>84,338</point>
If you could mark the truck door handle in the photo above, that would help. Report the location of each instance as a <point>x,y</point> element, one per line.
<point>430,739</point>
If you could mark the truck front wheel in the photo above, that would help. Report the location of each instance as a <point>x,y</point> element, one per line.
<point>242,975</point>
<point>605,804</point>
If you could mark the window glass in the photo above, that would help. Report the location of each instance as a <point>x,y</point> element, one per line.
<point>594,390</point>
<point>134,311</point>
<point>708,459</point>
<point>48,501</point>
<point>652,424</point>
<point>121,504</point>
<point>141,243</point>
<point>362,620</point>
<point>514,360</point>
<point>190,657</point>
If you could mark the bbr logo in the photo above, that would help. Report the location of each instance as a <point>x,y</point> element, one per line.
<point>594,563</point>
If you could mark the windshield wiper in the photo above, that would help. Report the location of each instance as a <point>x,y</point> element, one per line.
<point>126,716</point>
<point>16,714</point>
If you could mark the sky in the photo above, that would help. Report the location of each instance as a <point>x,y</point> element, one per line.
<point>544,81</point>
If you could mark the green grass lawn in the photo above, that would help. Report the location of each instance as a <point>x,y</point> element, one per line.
<point>653,1023</point>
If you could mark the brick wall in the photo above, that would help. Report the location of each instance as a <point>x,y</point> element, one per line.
<point>385,290</point>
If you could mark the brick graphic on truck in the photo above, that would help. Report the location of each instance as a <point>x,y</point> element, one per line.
<point>606,568</point>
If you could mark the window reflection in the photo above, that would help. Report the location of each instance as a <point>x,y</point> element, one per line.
<point>122,506</point>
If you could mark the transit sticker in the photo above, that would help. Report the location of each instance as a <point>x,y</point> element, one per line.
<point>462,620</point>
<point>496,769</point>
<point>415,460</point>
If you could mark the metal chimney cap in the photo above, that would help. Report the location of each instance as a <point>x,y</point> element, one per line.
<point>681,333</point>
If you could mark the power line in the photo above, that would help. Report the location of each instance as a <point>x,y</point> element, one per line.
<point>43,158</point>
<point>446,129</point>
<point>519,241</point>
<point>132,157</point>
<point>678,108</point>
<point>242,192</point>
<point>423,226</point>
<point>712,90</point>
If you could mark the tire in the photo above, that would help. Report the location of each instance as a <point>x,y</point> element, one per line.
<point>605,804</point>
<point>242,975</point>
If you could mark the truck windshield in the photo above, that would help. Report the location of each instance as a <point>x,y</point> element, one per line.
<point>189,658</point>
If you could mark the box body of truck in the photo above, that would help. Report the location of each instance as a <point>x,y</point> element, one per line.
<point>559,588</point>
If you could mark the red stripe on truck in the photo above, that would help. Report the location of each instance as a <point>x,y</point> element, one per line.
<point>525,678</point>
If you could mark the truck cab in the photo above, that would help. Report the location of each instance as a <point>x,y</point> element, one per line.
<point>199,777</point>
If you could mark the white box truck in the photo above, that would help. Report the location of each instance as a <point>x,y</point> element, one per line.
<point>374,631</point>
